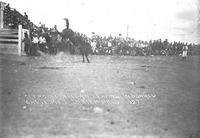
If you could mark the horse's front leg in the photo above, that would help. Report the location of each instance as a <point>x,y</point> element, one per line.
<point>83,58</point>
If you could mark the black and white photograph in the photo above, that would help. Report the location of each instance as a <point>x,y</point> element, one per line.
<point>99,68</point>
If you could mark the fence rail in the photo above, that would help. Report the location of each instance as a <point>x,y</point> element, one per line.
<point>11,40</point>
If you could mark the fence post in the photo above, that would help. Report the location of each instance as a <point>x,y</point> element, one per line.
<point>19,40</point>
<point>2,4</point>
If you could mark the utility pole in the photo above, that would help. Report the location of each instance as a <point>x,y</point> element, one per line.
<point>127,31</point>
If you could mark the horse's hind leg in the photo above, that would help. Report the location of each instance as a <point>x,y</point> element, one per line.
<point>87,58</point>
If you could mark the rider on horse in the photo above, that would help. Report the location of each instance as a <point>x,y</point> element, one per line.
<point>78,41</point>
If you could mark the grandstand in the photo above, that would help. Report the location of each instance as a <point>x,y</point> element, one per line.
<point>13,25</point>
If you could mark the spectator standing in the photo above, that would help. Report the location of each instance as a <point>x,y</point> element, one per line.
<point>109,46</point>
<point>42,43</point>
<point>25,16</point>
<point>34,45</point>
<point>93,44</point>
<point>40,24</point>
<point>48,40</point>
<point>184,53</point>
<point>54,30</point>
<point>27,43</point>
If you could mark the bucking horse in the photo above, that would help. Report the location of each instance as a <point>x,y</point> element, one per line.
<point>78,41</point>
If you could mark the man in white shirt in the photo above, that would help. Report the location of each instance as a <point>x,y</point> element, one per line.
<point>184,54</point>
<point>109,44</point>
<point>109,47</point>
<point>93,44</point>
<point>35,39</point>
<point>34,45</point>
<point>40,24</point>
<point>42,43</point>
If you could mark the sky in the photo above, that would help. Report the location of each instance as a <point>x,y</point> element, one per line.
<point>176,20</point>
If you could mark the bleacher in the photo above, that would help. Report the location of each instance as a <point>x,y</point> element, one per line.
<point>12,18</point>
<point>11,34</point>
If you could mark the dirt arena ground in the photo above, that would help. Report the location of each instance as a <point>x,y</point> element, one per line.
<point>112,97</point>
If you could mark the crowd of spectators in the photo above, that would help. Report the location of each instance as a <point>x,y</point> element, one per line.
<point>12,18</point>
<point>128,46</point>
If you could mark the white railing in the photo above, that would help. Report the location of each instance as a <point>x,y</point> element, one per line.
<point>11,39</point>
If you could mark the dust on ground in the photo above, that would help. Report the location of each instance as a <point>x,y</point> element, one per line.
<point>111,97</point>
